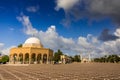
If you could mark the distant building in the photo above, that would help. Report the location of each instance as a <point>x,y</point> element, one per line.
<point>85,59</point>
<point>65,59</point>
<point>32,52</point>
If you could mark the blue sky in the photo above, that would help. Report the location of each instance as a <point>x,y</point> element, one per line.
<point>72,20</point>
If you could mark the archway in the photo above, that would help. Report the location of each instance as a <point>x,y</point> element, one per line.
<point>38,58</point>
<point>33,58</point>
<point>26,58</point>
<point>45,58</point>
<point>14,58</point>
<point>21,58</point>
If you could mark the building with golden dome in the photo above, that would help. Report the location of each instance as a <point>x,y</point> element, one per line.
<point>31,52</point>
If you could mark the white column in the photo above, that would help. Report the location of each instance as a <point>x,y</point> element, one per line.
<point>41,59</point>
<point>47,59</point>
<point>89,57</point>
<point>81,57</point>
<point>23,58</point>
<point>35,58</point>
<point>29,59</point>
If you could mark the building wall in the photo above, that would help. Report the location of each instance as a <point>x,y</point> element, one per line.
<point>15,52</point>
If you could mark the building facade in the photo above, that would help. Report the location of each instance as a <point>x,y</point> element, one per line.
<point>65,59</point>
<point>31,52</point>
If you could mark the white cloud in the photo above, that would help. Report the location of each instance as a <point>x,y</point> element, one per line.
<point>117,32</point>
<point>83,42</point>
<point>65,4</point>
<point>32,8</point>
<point>90,44</point>
<point>6,51</point>
<point>111,47</point>
<point>28,28</point>
<point>1,44</point>
<point>51,39</point>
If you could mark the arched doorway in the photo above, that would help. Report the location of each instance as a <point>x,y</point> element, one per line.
<point>21,58</point>
<point>26,58</point>
<point>33,58</point>
<point>45,58</point>
<point>14,58</point>
<point>38,58</point>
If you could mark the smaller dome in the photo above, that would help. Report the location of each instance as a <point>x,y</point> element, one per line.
<point>32,40</point>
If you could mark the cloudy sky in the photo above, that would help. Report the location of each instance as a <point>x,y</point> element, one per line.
<point>74,26</point>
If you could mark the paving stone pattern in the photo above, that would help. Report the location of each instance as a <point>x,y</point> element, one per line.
<point>74,71</point>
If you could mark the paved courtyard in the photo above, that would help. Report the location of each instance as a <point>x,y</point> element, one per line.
<point>74,71</point>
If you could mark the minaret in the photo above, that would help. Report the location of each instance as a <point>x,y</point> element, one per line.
<point>81,57</point>
<point>89,57</point>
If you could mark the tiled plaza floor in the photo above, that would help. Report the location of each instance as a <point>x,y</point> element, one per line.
<point>74,71</point>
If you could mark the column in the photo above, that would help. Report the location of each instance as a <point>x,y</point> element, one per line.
<point>23,58</point>
<point>17,58</point>
<point>29,59</point>
<point>12,58</point>
<point>50,59</point>
<point>35,58</point>
<point>47,58</point>
<point>41,59</point>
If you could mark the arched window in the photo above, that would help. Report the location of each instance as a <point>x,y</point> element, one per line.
<point>27,58</point>
<point>14,57</point>
<point>21,57</point>
<point>38,58</point>
<point>45,58</point>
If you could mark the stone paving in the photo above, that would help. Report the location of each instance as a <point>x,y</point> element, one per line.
<point>74,71</point>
